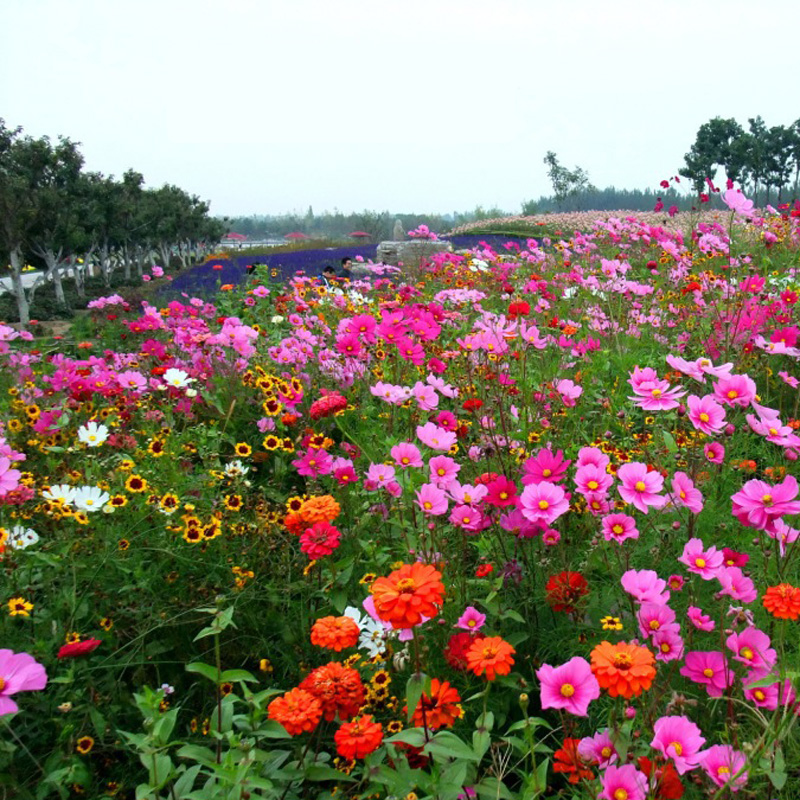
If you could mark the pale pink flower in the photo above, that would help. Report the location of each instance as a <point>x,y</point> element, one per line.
<point>724,765</point>
<point>619,527</point>
<point>739,204</point>
<point>736,584</point>
<point>678,738</point>
<point>668,644</point>
<point>751,646</point>
<point>569,391</point>
<point>706,414</point>
<point>444,470</point>
<point>598,749</point>
<point>543,502</point>
<point>19,672</point>
<point>592,480</point>
<point>653,617</point>
<point>435,437</point>
<point>758,504</point>
<point>623,782</point>
<point>705,563</point>
<point>431,499</point>
<point>467,517</point>
<point>645,586</point>
<point>639,486</point>
<point>685,494</point>
<point>736,390</point>
<point>406,455</point>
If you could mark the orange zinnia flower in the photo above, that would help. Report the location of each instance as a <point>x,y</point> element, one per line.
<point>335,633</point>
<point>338,688</point>
<point>408,594</point>
<point>624,669</point>
<point>783,601</point>
<point>319,509</point>
<point>358,738</point>
<point>297,711</point>
<point>441,706</point>
<point>492,656</point>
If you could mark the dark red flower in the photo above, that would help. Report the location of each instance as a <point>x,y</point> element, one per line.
<point>484,570</point>
<point>567,761</point>
<point>565,590</point>
<point>473,404</point>
<point>75,649</point>
<point>665,782</point>
<point>455,654</point>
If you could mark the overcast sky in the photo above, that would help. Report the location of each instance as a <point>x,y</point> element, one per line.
<point>268,106</point>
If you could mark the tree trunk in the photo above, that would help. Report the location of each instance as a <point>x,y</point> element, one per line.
<point>126,262</point>
<point>53,262</point>
<point>19,290</point>
<point>104,265</point>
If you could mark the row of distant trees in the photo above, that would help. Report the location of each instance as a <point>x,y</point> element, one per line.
<point>765,160</point>
<point>57,216</point>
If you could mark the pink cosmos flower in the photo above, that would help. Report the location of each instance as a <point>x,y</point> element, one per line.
<point>444,470</point>
<point>708,668</point>
<point>751,646</point>
<point>572,686</point>
<point>471,619</point>
<point>551,537</point>
<point>467,517</point>
<point>623,782</point>
<point>678,738</point>
<point>735,390</point>
<point>598,749</point>
<point>685,494</point>
<point>514,522</point>
<point>739,204</point>
<point>381,474</point>
<point>736,584</point>
<point>700,620</point>
<point>545,466</point>
<point>569,391</point>
<point>783,534</point>
<point>714,452</point>
<point>619,527</point>
<point>653,617</point>
<point>645,586</point>
<point>313,463</point>
<point>769,695</point>
<point>425,395</point>
<point>594,456</point>
<point>466,493</point>
<point>9,478</point>
<point>501,492</point>
<point>668,644</point>
<point>705,563</point>
<point>640,487</point>
<point>706,414</point>
<point>431,499</point>
<point>406,455</point>
<point>19,672</point>
<point>543,502</point>
<point>435,437</point>
<point>724,765</point>
<point>758,505</point>
<point>592,480</point>
<point>675,582</point>
<point>657,396</point>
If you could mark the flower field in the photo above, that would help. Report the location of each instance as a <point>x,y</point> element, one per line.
<point>521,524</point>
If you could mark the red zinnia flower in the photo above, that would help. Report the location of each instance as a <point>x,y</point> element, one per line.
<point>455,653</point>
<point>565,590</point>
<point>321,539</point>
<point>358,738</point>
<point>297,711</point>
<point>79,648</point>
<point>441,707</point>
<point>473,404</point>
<point>338,688</point>
<point>568,761</point>
<point>327,406</point>
<point>665,782</point>
<point>483,570</point>
<point>491,656</point>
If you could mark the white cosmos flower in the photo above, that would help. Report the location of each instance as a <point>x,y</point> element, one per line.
<point>60,493</point>
<point>236,469</point>
<point>90,498</point>
<point>373,634</point>
<point>92,434</point>
<point>19,538</point>
<point>177,378</point>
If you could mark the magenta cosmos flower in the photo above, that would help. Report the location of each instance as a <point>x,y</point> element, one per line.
<point>625,782</point>
<point>471,619</point>
<point>19,672</point>
<point>619,527</point>
<point>598,749</point>
<point>444,470</point>
<point>735,390</point>
<point>758,505</point>
<point>708,668</point>
<point>431,499</point>
<point>706,414</point>
<point>678,738</point>
<point>640,487</point>
<point>545,466</point>
<point>684,493</point>
<point>714,452</point>
<point>543,503</point>
<point>9,478</point>
<point>725,766</point>
<point>752,647</point>
<point>705,563</point>
<point>406,455</point>
<point>572,686</point>
<point>700,620</point>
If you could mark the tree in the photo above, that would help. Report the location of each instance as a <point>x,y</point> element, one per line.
<point>566,183</point>
<point>715,145</point>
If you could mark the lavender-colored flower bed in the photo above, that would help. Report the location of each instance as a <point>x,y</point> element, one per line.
<point>204,280</point>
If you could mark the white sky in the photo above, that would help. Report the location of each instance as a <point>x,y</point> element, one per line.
<point>268,106</point>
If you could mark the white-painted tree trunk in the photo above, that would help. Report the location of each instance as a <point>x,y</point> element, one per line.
<point>17,264</point>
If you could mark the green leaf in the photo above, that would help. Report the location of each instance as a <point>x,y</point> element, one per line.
<point>416,685</point>
<point>320,772</point>
<point>447,745</point>
<point>669,441</point>
<point>202,755</point>
<point>234,675</point>
<point>186,781</point>
<point>206,670</point>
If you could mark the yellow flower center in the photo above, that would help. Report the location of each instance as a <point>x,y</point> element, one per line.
<point>746,652</point>
<point>620,794</point>
<point>405,460</point>
<point>700,563</point>
<point>704,417</point>
<point>656,393</point>
<point>759,695</point>
<point>640,486</point>
<point>2,684</point>
<point>654,624</point>
<point>544,505</point>
<point>440,472</point>
<point>766,499</point>
<point>405,584</point>
<point>676,746</point>
<point>665,648</point>
<point>567,690</point>
<point>593,485</point>
<point>606,752</point>
<point>708,672</point>
<point>773,431</point>
<point>504,495</point>
<point>732,394</point>
<point>723,770</point>
<point>622,661</point>
<point>618,529</point>
<point>427,505</point>
<point>546,473</point>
